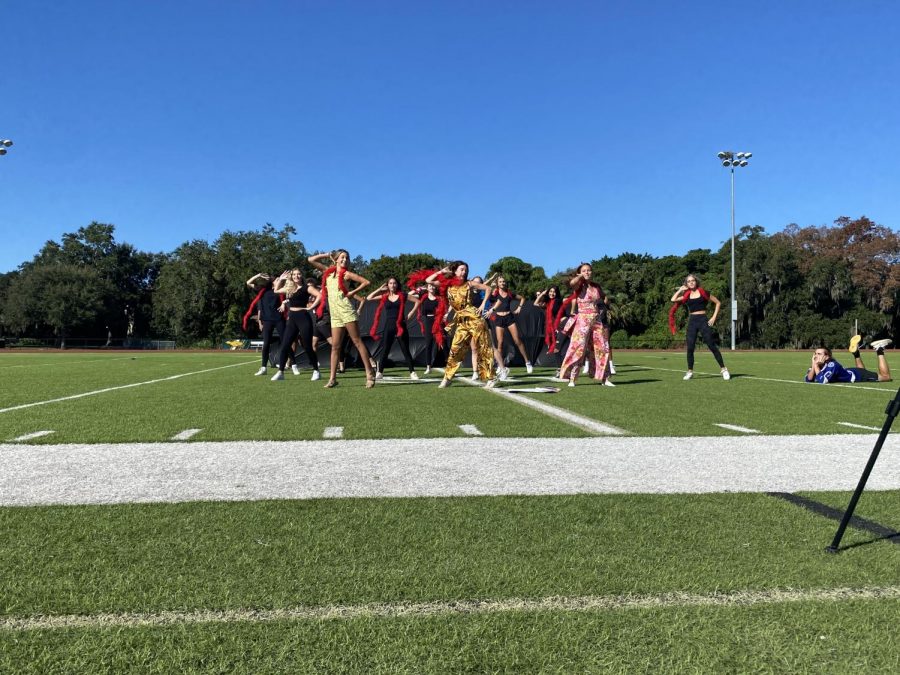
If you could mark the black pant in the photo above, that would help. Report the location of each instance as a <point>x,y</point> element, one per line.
<point>298,323</point>
<point>268,329</point>
<point>431,347</point>
<point>698,323</point>
<point>387,339</point>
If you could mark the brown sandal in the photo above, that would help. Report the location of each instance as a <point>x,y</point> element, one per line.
<point>331,384</point>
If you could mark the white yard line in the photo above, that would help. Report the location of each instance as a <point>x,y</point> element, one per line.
<point>470,430</point>
<point>460,466</point>
<point>858,426</point>
<point>64,362</point>
<point>585,423</point>
<point>28,437</point>
<point>186,434</point>
<point>333,432</point>
<point>584,603</point>
<point>734,427</point>
<point>124,386</point>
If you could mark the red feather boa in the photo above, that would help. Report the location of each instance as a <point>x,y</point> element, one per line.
<point>680,303</point>
<point>373,332</point>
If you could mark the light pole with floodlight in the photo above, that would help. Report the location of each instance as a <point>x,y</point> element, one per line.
<point>730,159</point>
<point>4,144</point>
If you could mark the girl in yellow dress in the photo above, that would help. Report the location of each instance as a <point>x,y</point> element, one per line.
<point>344,317</point>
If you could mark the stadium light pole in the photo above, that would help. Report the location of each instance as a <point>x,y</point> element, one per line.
<point>4,144</point>
<point>731,160</point>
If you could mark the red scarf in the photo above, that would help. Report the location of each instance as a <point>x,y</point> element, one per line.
<point>373,332</point>
<point>442,283</point>
<point>550,323</point>
<point>419,311</point>
<point>250,308</point>
<point>680,303</point>
<point>323,294</point>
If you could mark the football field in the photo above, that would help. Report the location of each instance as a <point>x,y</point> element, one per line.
<point>171,512</point>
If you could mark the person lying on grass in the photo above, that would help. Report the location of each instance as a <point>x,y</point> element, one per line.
<point>825,369</point>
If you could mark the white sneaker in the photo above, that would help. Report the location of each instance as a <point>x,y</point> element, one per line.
<point>428,370</point>
<point>475,377</point>
<point>556,374</point>
<point>881,344</point>
<point>585,367</point>
<point>504,374</point>
<point>315,376</point>
<point>529,368</point>
<point>612,368</point>
<point>725,374</point>
<point>688,375</point>
<point>571,383</point>
<point>490,384</point>
<point>295,369</point>
<point>261,371</point>
<point>608,383</point>
<point>278,376</point>
<point>413,376</point>
<point>379,376</point>
<point>444,384</point>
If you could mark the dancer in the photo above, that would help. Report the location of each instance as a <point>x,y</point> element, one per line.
<point>480,299</point>
<point>393,305</point>
<point>503,318</point>
<point>344,317</point>
<point>468,322</point>
<point>695,298</point>
<point>270,319</point>
<point>825,369</point>
<point>550,301</point>
<point>425,309</point>
<point>587,336</point>
<point>301,300</point>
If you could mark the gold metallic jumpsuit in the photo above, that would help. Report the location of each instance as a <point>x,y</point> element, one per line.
<point>469,323</point>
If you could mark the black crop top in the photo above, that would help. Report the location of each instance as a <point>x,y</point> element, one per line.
<point>268,306</point>
<point>391,310</point>
<point>300,299</point>
<point>505,303</point>
<point>429,306</point>
<point>697,304</point>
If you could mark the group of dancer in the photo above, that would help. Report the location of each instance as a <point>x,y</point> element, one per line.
<point>447,302</point>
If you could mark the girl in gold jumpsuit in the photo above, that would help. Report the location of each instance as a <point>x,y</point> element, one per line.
<point>468,322</point>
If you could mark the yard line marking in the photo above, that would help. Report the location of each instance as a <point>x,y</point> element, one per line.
<point>333,432</point>
<point>124,386</point>
<point>186,434</point>
<point>66,363</point>
<point>734,427</point>
<point>859,426</point>
<point>470,430</point>
<point>584,603</point>
<point>28,437</point>
<point>585,423</point>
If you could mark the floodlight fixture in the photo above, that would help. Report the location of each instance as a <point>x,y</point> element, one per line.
<point>6,142</point>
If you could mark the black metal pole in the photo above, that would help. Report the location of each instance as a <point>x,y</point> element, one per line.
<point>893,408</point>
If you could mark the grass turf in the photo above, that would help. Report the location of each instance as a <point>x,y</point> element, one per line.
<point>228,403</point>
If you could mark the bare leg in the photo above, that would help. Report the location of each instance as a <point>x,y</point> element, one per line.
<point>884,372</point>
<point>337,337</point>
<point>353,332</point>
<point>498,346</point>
<point>514,331</point>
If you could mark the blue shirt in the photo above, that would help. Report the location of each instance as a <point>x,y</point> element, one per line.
<point>834,372</point>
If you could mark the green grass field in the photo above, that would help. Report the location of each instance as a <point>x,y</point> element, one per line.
<point>575,583</point>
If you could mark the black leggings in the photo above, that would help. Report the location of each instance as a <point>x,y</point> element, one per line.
<point>268,328</point>
<point>431,347</point>
<point>298,323</point>
<point>387,339</point>
<point>699,323</point>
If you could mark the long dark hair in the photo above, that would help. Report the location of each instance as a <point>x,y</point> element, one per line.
<point>457,263</point>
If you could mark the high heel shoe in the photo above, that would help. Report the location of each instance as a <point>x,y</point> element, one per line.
<point>331,384</point>
<point>370,382</point>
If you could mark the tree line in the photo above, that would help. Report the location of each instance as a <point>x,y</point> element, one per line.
<point>795,288</point>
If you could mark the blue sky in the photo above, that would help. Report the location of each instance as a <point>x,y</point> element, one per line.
<point>551,131</point>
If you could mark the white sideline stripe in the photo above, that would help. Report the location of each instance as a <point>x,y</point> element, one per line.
<point>470,430</point>
<point>333,432</point>
<point>28,437</point>
<point>734,427</point>
<point>186,434</point>
<point>66,363</point>
<point>858,426</point>
<point>415,610</point>
<point>800,380</point>
<point>124,386</point>
<point>457,466</point>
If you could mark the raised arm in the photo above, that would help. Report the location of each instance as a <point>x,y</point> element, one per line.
<point>539,298</point>
<point>679,293</point>
<point>315,261</point>
<point>251,282</point>
<point>377,293</point>
<point>418,301</point>
<point>443,272</point>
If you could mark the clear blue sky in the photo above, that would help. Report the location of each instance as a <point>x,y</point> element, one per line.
<point>551,131</point>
